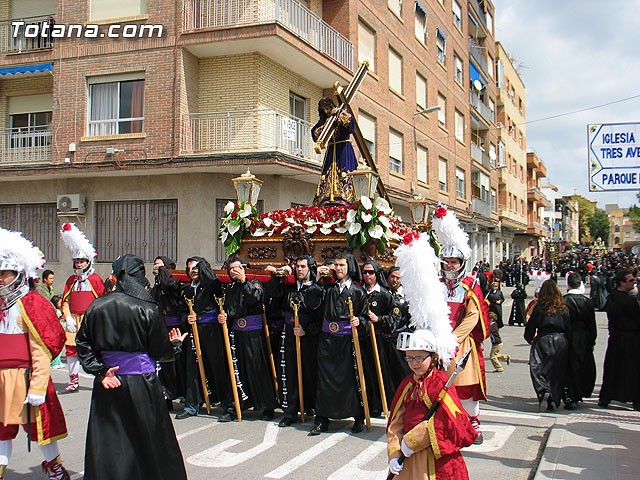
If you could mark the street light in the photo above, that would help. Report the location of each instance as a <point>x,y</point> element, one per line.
<point>247,188</point>
<point>427,110</point>
<point>364,181</point>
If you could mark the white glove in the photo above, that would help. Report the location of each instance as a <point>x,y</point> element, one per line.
<point>406,451</point>
<point>395,466</point>
<point>35,400</point>
<point>72,326</point>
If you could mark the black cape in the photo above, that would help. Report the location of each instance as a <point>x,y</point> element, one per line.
<point>582,339</point>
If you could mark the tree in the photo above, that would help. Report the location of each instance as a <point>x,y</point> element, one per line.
<point>599,225</point>
<point>634,215</point>
<point>585,209</point>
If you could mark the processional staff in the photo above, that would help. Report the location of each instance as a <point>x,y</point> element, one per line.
<point>196,340</point>
<point>227,346</point>
<point>296,321</point>
<point>356,346</point>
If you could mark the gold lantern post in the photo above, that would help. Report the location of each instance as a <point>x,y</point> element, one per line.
<point>419,212</point>
<point>365,181</point>
<point>247,188</point>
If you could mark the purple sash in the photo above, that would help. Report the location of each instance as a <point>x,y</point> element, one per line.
<point>130,363</point>
<point>336,328</point>
<point>304,318</point>
<point>250,322</point>
<point>208,317</point>
<point>171,321</point>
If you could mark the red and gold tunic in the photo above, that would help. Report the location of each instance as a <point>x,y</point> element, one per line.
<point>77,297</point>
<point>436,442</point>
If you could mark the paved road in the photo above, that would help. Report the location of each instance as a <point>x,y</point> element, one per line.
<point>515,434</point>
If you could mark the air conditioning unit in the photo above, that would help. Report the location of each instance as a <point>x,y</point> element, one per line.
<point>71,204</point>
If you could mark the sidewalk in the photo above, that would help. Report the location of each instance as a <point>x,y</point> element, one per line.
<point>593,444</point>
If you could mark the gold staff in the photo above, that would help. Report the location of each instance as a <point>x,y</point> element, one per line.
<point>363,387</point>
<point>227,345</point>
<point>296,321</point>
<point>196,340</point>
<point>269,350</point>
<point>383,395</point>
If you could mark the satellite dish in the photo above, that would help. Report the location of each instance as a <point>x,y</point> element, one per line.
<point>478,85</point>
<point>635,249</point>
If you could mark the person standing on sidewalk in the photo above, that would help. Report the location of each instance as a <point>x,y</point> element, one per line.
<point>621,378</point>
<point>496,345</point>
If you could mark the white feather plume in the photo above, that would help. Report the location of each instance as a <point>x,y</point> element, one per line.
<point>450,234</point>
<point>423,290</point>
<point>76,241</point>
<point>19,254</point>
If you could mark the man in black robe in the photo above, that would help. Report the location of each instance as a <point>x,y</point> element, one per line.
<point>621,378</point>
<point>129,434</point>
<point>384,319</point>
<point>398,366</point>
<point>202,290</point>
<point>598,291</point>
<point>308,295</point>
<point>244,310</point>
<point>338,392</point>
<point>582,338</point>
<point>166,291</point>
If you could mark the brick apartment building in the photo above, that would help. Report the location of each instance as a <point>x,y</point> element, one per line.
<point>143,135</point>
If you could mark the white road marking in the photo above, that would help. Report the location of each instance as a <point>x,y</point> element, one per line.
<point>306,456</point>
<point>216,457</point>
<point>77,476</point>
<point>496,441</point>
<point>353,469</point>
<point>525,416</point>
<point>195,430</point>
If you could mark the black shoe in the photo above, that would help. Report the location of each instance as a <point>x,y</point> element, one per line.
<point>185,414</point>
<point>317,429</point>
<point>267,414</point>
<point>286,422</point>
<point>603,404</point>
<point>227,417</point>
<point>571,406</point>
<point>358,426</point>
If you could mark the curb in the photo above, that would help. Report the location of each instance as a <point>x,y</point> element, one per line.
<point>551,450</point>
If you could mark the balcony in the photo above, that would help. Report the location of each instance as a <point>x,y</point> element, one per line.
<point>481,207</point>
<point>484,111</point>
<point>534,194</point>
<point>248,131</point>
<point>20,146</point>
<point>200,15</point>
<point>479,12</point>
<point>20,43</point>
<point>476,53</point>
<point>480,156</point>
<point>537,229</point>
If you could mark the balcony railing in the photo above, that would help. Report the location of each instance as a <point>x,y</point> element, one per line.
<point>23,145</point>
<point>480,156</point>
<point>248,131</point>
<point>200,14</point>
<point>484,111</point>
<point>476,52</point>
<point>12,41</point>
<point>480,206</point>
<point>478,11</point>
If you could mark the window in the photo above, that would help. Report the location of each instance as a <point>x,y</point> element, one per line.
<point>457,68</point>
<point>422,156</point>
<point>521,173</point>
<point>510,202</point>
<point>492,108</point>
<point>115,107</point>
<point>489,18</point>
<point>492,154</point>
<point>421,92</point>
<point>457,14</point>
<point>395,70</point>
<point>521,207</point>
<point>30,129</point>
<point>460,183</point>
<point>395,151</point>
<point>459,126</point>
<point>442,113</point>
<point>421,24</point>
<point>145,228</point>
<point>297,106</point>
<point>441,46</point>
<point>366,45</point>
<point>395,6</point>
<point>367,125</point>
<point>117,9</point>
<point>442,174</point>
<point>494,200</point>
<point>490,65</point>
<point>298,141</point>
<point>38,222</point>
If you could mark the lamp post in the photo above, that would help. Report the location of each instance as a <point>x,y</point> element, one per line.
<point>365,181</point>
<point>247,188</point>
<point>419,211</point>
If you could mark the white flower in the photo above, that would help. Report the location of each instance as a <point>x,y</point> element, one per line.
<point>354,228</point>
<point>285,230</point>
<point>246,211</point>
<point>341,229</point>
<point>325,230</point>
<point>384,221</point>
<point>267,222</point>
<point>223,236</point>
<point>366,202</point>
<point>247,222</point>
<point>228,208</point>
<point>233,227</point>
<point>311,229</point>
<point>376,232</point>
<point>260,232</point>
<point>351,215</point>
<point>366,217</point>
<point>382,205</point>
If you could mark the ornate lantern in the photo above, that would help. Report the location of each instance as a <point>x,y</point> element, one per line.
<point>365,181</point>
<point>419,211</point>
<point>247,188</point>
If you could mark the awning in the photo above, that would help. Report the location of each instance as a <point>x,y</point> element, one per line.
<point>474,74</point>
<point>440,32</point>
<point>420,7</point>
<point>42,67</point>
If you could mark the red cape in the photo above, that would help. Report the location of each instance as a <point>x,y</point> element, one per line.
<point>94,279</point>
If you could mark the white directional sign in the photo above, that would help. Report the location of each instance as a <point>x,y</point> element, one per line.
<point>614,156</point>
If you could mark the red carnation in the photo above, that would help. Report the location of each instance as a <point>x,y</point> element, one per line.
<point>66,227</point>
<point>234,214</point>
<point>410,237</point>
<point>539,272</point>
<point>440,212</point>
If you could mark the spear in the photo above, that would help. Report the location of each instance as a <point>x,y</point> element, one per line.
<point>227,345</point>
<point>196,341</point>
<point>356,347</point>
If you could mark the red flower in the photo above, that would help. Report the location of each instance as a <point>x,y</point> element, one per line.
<point>234,214</point>
<point>368,212</point>
<point>410,237</point>
<point>66,227</point>
<point>440,212</point>
<point>253,229</point>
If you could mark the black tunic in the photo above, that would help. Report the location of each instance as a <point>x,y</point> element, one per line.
<point>582,339</point>
<point>621,379</point>
<point>398,367</point>
<point>130,434</point>
<point>517,309</point>
<point>309,296</point>
<point>549,352</point>
<point>338,394</point>
<point>494,297</point>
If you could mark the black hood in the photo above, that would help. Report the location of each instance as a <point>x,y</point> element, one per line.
<point>380,278</point>
<point>130,275</point>
<point>168,263</point>
<point>195,259</point>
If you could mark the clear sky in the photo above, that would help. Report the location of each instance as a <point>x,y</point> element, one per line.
<point>573,54</point>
